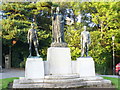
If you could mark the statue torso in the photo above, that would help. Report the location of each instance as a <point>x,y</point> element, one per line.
<point>85,36</point>
<point>32,33</point>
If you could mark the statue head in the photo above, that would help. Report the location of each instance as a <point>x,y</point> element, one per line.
<point>57,10</point>
<point>32,25</point>
<point>85,28</point>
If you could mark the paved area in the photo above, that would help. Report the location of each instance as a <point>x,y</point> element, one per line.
<point>8,73</point>
<point>114,76</point>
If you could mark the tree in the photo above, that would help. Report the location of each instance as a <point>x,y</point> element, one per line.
<point>101,18</point>
<point>104,16</point>
<point>19,17</point>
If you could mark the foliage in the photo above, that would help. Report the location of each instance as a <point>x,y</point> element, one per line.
<point>72,36</point>
<point>101,18</point>
<point>4,82</point>
<point>19,17</point>
<point>115,81</point>
<point>104,17</point>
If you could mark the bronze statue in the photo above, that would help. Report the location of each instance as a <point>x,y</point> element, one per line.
<point>85,41</point>
<point>58,22</point>
<point>32,38</point>
<point>58,29</point>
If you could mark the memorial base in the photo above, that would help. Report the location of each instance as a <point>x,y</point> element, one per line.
<point>34,68</point>
<point>85,67</point>
<point>60,74</point>
<point>55,44</point>
<point>59,81</point>
<point>59,61</point>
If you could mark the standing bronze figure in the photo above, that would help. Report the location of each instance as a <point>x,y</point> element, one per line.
<point>58,29</point>
<point>85,41</point>
<point>32,38</point>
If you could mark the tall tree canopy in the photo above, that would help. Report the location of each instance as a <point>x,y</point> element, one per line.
<point>17,21</point>
<point>102,19</point>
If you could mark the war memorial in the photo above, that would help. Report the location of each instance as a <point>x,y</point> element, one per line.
<point>59,71</point>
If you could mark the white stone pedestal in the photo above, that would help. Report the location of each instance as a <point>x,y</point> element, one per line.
<point>85,67</point>
<point>60,65</point>
<point>34,68</point>
<point>59,60</point>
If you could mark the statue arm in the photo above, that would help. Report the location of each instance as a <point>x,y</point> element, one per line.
<point>62,21</point>
<point>81,40</point>
<point>89,38</point>
<point>69,21</point>
<point>36,37</point>
<point>28,36</point>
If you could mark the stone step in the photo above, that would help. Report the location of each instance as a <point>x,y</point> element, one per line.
<point>73,84</point>
<point>49,85</point>
<point>49,80</point>
<point>64,85</point>
<point>59,79</point>
<point>45,86</point>
<point>94,78</point>
<point>72,76</point>
<point>67,85</point>
<point>63,80</point>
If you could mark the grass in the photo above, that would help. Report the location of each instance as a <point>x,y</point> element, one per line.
<point>4,82</point>
<point>115,81</point>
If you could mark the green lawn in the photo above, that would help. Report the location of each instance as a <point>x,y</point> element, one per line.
<point>115,81</point>
<point>4,82</point>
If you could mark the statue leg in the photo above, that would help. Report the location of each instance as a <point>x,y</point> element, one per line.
<point>57,39</point>
<point>83,50</point>
<point>30,46</point>
<point>86,49</point>
<point>82,53</point>
<point>60,39</point>
<point>62,34</point>
<point>36,49</point>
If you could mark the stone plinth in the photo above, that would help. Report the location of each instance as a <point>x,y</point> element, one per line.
<point>50,81</point>
<point>85,67</point>
<point>34,68</point>
<point>66,81</point>
<point>35,79</point>
<point>59,60</point>
<point>55,44</point>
